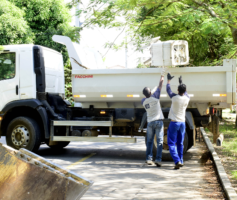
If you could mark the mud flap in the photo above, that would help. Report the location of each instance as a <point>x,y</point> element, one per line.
<point>26,176</point>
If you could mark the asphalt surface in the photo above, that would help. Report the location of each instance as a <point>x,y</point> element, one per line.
<point>119,171</point>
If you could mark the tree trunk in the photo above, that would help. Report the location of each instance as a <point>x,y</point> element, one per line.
<point>234,34</point>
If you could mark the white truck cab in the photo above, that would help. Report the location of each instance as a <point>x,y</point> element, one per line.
<point>18,72</point>
<point>27,71</point>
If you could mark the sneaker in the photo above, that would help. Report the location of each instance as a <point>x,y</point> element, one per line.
<point>149,162</point>
<point>178,165</point>
<point>181,165</point>
<point>158,163</point>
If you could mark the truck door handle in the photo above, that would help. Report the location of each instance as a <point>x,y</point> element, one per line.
<point>16,89</point>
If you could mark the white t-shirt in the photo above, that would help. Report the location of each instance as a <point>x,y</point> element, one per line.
<point>179,105</point>
<point>152,106</point>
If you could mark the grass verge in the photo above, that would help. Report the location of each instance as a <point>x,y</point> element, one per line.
<point>227,128</point>
<point>228,151</point>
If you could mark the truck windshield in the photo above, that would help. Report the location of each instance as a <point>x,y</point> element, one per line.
<point>7,65</point>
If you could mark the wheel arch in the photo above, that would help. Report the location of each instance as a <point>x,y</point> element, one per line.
<point>28,108</point>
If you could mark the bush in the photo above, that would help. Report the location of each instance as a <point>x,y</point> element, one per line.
<point>13,27</point>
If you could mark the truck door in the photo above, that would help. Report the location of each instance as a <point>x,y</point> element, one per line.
<point>9,77</point>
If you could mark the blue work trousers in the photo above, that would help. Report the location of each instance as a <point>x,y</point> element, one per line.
<point>154,128</point>
<point>176,134</point>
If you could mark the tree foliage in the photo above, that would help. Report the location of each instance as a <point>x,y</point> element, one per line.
<point>13,27</point>
<point>47,18</point>
<point>34,21</point>
<point>210,27</point>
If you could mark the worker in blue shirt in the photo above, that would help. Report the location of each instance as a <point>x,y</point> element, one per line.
<point>176,130</point>
<point>154,121</point>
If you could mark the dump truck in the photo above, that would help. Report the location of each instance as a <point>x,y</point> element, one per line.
<point>107,107</point>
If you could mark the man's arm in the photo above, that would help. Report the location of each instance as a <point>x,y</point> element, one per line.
<point>161,82</point>
<point>156,94</point>
<point>181,82</point>
<point>168,89</point>
<point>186,94</point>
<point>143,100</point>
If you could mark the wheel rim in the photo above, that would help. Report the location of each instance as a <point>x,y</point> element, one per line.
<point>20,136</point>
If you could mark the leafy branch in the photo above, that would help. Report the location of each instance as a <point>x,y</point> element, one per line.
<point>114,41</point>
<point>168,18</point>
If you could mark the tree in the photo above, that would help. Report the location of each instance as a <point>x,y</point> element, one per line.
<point>13,27</point>
<point>33,21</point>
<point>47,18</point>
<point>208,26</point>
<point>225,11</point>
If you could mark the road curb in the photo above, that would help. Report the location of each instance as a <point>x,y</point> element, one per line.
<point>229,190</point>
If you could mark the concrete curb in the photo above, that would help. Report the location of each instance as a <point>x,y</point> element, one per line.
<point>230,192</point>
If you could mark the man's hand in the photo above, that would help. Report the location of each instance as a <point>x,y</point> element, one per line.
<point>169,77</point>
<point>164,71</point>
<point>180,80</point>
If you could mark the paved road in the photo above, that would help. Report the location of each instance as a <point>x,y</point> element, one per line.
<point>119,172</point>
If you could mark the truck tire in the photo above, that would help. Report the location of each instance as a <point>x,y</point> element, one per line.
<point>166,153</point>
<point>23,132</point>
<point>57,145</point>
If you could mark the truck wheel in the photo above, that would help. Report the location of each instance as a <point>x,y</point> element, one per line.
<point>165,152</point>
<point>23,132</point>
<point>57,145</point>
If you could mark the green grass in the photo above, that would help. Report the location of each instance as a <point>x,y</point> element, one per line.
<point>230,138</point>
<point>234,174</point>
<point>228,129</point>
<point>229,146</point>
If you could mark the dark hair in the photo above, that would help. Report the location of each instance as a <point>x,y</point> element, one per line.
<point>147,92</point>
<point>182,89</point>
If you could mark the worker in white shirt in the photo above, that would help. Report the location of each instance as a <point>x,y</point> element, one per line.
<point>155,124</point>
<point>176,130</point>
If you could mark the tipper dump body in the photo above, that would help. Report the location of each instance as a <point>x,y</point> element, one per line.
<point>211,85</point>
<point>115,88</point>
